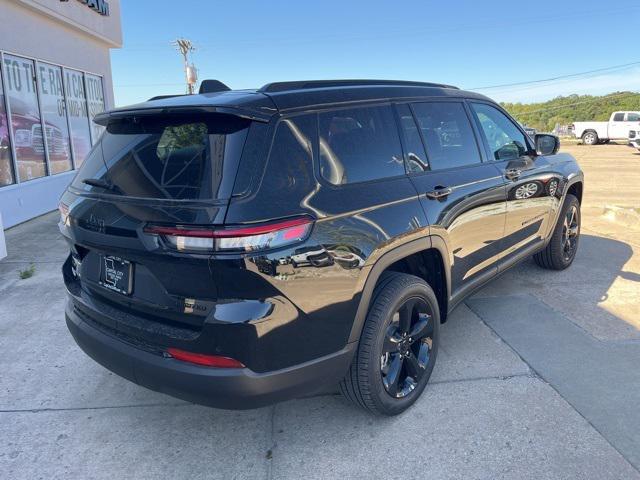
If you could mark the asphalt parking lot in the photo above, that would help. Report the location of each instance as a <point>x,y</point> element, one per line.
<point>537,377</point>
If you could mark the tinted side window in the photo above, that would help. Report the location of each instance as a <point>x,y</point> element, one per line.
<point>618,117</point>
<point>290,166</point>
<point>633,117</point>
<point>415,153</point>
<point>505,140</point>
<point>447,134</point>
<point>359,144</point>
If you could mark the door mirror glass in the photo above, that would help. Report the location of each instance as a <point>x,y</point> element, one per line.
<point>547,144</point>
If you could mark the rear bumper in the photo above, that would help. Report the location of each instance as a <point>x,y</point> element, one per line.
<point>215,387</point>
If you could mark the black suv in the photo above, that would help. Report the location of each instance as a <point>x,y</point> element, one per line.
<point>238,248</point>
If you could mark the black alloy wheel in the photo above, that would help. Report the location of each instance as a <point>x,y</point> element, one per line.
<point>563,244</point>
<point>570,231</point>
<point>407,347</point>
<point>398,346</point>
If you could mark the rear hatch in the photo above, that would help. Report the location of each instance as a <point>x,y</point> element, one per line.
<point>150,170</point>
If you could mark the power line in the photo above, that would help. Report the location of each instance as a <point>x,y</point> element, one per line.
<point>560,77</point>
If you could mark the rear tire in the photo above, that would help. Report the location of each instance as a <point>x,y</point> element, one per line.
<point>398,346</point>
<point>562,248</point>
<point>590,138</point>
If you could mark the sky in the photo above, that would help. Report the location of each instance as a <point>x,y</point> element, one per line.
<point>470,44</point>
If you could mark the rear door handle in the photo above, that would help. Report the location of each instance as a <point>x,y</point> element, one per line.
<point>439,192</point>
<point>512,173</point>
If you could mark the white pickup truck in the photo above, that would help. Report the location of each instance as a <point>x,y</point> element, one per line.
<point>617,128</point>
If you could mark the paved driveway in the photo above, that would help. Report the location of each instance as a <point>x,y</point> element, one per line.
<point>537,377</point>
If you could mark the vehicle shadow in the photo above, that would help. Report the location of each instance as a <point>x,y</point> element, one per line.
<point>593,293</point>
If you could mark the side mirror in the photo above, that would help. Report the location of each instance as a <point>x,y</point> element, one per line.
<point>547,144</point>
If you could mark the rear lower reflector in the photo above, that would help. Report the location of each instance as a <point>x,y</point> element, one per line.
<point>216,361</point>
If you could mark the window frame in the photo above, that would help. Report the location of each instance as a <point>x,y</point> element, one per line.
<point>489,154</point>
<point>624,115</point>
<point>479,147</point>
<point>403,140</point>
<point>12,150</point>
<point>350,106</point>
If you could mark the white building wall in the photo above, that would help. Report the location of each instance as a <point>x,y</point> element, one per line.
<point>69,34</point>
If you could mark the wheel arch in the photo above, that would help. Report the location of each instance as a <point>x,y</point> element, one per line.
<point>575,189</point>
<point>590,130</point>
<point>424,258</point>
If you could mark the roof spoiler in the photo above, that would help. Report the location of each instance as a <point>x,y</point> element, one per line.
<point>105,117</point>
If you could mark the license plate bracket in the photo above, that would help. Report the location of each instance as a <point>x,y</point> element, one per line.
<point>116,274</point>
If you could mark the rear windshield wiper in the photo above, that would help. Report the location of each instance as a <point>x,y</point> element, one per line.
<point>96,182</point>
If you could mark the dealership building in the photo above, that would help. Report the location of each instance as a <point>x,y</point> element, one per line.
<point>55,76</point>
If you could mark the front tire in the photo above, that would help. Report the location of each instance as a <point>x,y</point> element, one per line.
<point>398,346</point>
<point>562,248</point>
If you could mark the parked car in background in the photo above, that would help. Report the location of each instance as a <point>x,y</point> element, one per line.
<point>634,138</point>
<point>617,128</point>
<point>529,130</point>
<point>345,220</point>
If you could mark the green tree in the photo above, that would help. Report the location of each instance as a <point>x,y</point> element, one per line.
<point>544,116</point>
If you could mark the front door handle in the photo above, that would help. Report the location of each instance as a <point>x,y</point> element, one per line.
<point>512,173</point>
<point>439,192</point>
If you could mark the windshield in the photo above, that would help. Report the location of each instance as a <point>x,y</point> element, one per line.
<point>168,157</point>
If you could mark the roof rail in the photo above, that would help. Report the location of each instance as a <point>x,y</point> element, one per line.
<point>305,84</point>
<point>211,86</point>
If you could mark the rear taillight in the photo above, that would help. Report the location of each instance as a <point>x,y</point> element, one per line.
<point>246,238</point>
<point>216,361</point>
<point>64,213</point>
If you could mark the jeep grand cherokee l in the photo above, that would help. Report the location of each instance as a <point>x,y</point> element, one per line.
<point>189,221</point>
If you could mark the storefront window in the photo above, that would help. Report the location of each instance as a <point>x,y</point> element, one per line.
<point>77,112</point>
<point>65,101</point>
<point>55,117</point>
<point>6,169</point>
<point>95,101</point>
<point>20,90</point>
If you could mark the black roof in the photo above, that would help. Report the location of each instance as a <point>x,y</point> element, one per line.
<point>263,103</point>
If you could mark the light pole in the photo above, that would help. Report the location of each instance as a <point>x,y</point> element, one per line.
<point>185,47</point>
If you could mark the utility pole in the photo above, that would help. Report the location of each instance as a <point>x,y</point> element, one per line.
<point>185,47</point>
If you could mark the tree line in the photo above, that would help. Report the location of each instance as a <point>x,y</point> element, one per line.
<point>545,116</point>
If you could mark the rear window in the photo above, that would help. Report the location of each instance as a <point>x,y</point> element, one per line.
<point>177,158</point>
